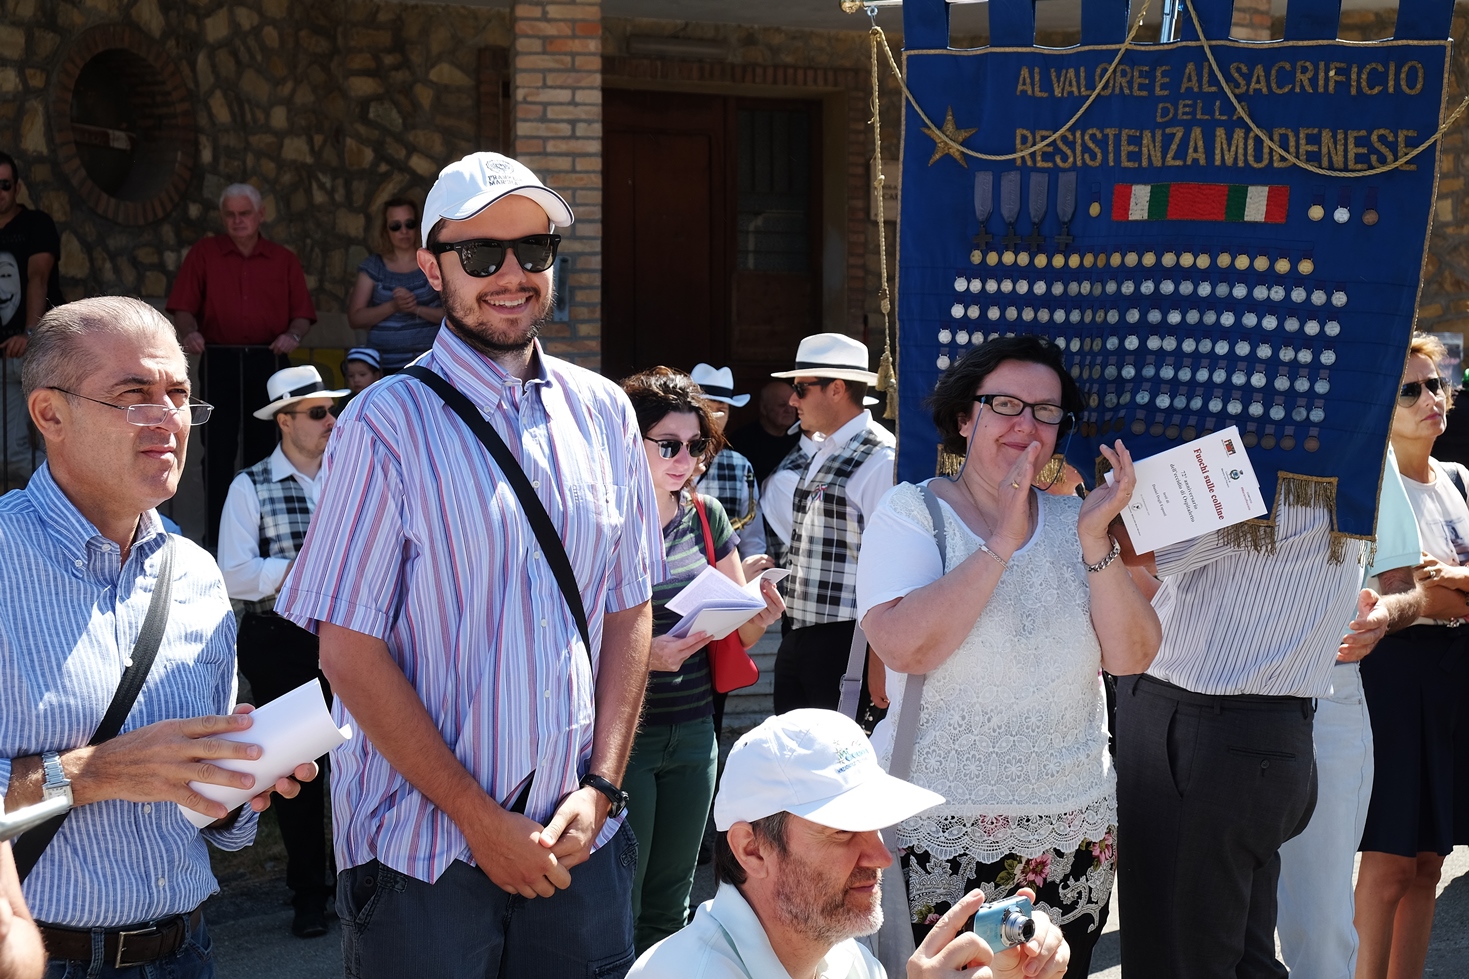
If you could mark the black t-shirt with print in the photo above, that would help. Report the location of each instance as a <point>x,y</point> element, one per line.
<point>30,232</point>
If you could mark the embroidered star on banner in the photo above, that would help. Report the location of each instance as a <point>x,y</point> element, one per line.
<point>954,133</point>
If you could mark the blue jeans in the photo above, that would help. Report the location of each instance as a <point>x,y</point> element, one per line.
<point>193,960</point>
<point>670,784</point>
<point>463,925</point>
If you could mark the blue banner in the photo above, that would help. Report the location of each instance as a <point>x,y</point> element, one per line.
<point>1195,275</point>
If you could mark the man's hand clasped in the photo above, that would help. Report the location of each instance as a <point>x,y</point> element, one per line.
<point>520,856</point>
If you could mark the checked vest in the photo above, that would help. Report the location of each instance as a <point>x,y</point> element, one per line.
<point>826,537</point>
<point>285,513</point>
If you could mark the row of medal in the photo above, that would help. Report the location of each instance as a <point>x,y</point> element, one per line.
<point>1148,258</point>
<point>1263,350</point>
<point>1187,429</point>
<point>1274,292</point>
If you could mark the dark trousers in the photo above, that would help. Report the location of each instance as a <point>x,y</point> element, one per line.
<point>1208,788</point>
<point>277,656</point>
<point>234,382</point>
<point>808,670</point>
<point>463,925</point>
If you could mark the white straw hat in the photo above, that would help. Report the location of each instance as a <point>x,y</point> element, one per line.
<point>293,384</point>
<point>831,355</point>
<point>718,385</point>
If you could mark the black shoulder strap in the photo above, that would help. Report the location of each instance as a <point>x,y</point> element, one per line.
<point>1456,474</point>
<point>28,848</point>
<point>535,510</point>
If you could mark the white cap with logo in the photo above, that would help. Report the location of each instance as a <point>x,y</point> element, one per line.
<point>816,764</point>
<point>470,185</point>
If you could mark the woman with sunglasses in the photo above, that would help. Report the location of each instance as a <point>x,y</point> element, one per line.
<point>1012,629</point>
<point>670,774</point>
<point>1414,682</point>
<point>392,299</point>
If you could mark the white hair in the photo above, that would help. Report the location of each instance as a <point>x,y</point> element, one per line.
<point>240,190</point>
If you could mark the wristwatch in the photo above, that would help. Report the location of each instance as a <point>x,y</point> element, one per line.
<point>56,784</point>
<point>615,796</point>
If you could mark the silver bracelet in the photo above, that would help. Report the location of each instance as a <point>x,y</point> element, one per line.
<point>986,548</point>
<point>1104,562</point>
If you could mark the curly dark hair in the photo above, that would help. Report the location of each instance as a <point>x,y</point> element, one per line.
<point>661,391</point>
<point>952,399</point>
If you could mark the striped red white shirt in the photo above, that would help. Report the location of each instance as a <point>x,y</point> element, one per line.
<point>419,541</point>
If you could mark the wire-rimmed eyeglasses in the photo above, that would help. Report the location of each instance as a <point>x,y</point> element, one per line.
<point>151,416</point>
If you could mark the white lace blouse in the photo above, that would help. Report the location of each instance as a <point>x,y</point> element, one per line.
<point>1013,730</point>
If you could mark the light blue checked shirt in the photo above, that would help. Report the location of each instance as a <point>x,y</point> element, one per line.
<point>68,619</point>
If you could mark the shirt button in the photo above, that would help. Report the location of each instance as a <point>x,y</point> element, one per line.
<point>147,807</point>
<point>162,882</point>
<point>80,563</point>
<point>536,483</point>
<point>548,695</point>
<point>543,623</point>
<point>535,555</point>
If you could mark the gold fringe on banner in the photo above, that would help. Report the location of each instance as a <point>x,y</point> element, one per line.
<point>948,464</point>
<point>1294,489</point>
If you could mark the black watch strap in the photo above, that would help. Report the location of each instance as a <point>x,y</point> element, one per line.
<point>615,796</point>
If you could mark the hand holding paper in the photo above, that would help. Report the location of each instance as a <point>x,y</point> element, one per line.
<point>290,730</point>
<point>714,604</point>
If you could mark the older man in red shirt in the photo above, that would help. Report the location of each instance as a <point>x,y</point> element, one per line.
<point>241,300</point>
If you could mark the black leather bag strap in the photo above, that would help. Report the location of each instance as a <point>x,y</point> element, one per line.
<point>534,509</point>
<point>29,847</point>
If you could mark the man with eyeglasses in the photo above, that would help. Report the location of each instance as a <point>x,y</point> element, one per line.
<point>241,300</point>
<point>29,285</point>
<point>846,475</point>
<point>479,823</point>
<point>266,516</point>
<point>117,889</point>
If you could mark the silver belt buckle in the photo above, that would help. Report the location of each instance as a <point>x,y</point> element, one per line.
<point>122,938</point>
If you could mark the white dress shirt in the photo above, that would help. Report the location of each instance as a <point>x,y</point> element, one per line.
<point>865,488</point>
<point>726,941</point>
<point>249,576</point>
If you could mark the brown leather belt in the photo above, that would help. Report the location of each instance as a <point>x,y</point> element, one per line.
<point>122,948</point>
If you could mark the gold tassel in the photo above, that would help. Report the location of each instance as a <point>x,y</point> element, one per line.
<point>949,463</point>
<point>887,382</point>
<point>1052,471</point>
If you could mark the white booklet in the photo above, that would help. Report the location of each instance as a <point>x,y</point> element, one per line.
<point>714,604</point>
<point>291,730</point>
<point>1203,485</point>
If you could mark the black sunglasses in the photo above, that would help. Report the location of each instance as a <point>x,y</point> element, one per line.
<point>1409,393</point>
<point>411,224</point>
<point>668,448</point>
<point>801,386</point>
<point>482,257</point>
<point>7,184</point>
<point>316,413</point>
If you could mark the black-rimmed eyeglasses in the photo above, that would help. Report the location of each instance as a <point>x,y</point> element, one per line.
<point>1004,404</point>
<point>668,448</point>
<point>482,257</point>
<point>1410,392</point>
<point>151,416</point>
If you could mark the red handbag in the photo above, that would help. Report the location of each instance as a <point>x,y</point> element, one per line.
<point>731,666</point>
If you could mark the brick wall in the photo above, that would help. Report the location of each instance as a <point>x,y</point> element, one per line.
<point>556,64</point>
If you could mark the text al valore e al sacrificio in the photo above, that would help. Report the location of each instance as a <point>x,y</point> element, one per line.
<point>1196,97</point>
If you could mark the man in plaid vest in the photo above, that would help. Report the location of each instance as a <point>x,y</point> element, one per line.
<point>264,523</point>
<point>850,469</point>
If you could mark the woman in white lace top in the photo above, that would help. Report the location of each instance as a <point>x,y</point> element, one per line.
<point>1012,631</point>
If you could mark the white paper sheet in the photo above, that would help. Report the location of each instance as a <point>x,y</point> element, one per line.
<point>1203,485</point>
<point>291,730</point>
<point>714,604</point>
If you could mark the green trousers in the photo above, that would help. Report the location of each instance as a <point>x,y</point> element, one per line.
<point>670,782</point>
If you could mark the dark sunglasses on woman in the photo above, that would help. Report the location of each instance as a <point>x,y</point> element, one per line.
<point>1409,393</point>
<point>316,413</point>
<point>411,224</point>
<point>482,257</point>
<point>668,448</point>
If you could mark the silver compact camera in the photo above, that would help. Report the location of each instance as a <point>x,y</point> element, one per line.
<point>1004,924</point>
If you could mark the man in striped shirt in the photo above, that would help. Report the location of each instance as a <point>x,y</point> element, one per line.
<point>479,823</point>
<point>117,890</point>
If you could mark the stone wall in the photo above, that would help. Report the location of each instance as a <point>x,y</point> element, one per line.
<point>329,107</point>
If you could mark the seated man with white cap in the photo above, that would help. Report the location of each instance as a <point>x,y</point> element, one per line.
<point>264,523</point>
<point>730,478</point>
<point>800,862</point>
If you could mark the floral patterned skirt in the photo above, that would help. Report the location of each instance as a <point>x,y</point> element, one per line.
<point>1073,888</point>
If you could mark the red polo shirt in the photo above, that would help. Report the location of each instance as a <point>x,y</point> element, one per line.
<point>240,298</point>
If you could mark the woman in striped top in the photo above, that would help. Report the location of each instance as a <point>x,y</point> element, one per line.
<point>670,776</point>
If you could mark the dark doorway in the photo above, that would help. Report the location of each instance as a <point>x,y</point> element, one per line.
<point>711,249</point>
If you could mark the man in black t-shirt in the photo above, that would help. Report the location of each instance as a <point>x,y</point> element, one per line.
<point>29,285</point>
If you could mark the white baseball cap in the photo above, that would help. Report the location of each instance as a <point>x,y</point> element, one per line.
<point>470,185</point>
<point>818,765</point>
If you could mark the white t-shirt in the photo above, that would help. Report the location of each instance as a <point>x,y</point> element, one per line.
<point>1443,516</point>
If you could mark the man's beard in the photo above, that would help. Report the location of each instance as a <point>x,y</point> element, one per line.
<point>808,904</point>
<point>484,338</point>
